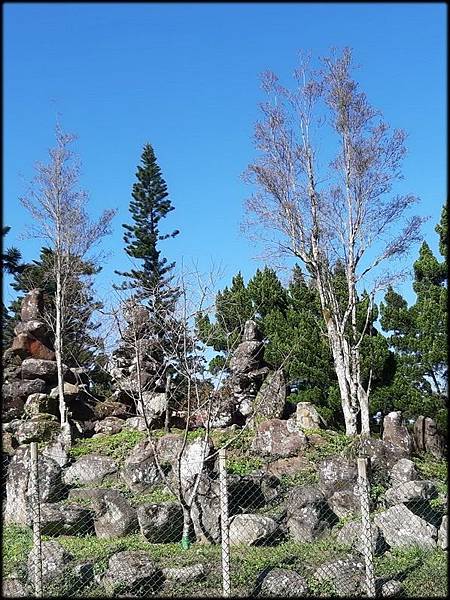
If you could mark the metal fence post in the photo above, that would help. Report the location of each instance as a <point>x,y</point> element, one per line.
<point>366,528</point>
<point>35,516</point>
<point>224,523</point>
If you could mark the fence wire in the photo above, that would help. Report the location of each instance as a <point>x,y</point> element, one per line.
<point>162,526</point>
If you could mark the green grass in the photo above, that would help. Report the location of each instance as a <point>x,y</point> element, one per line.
<point>16,544</point>
<point>430,467</point>
<point>117,446</point>
<point>243,465</point>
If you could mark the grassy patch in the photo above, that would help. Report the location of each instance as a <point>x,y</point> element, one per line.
<point>117,446</point>
<point>243,465</point>
<point>303,477</point>
<point>430,467</point>
<point>16,545</point>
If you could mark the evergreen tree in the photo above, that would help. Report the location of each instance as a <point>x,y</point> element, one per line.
<point>11,264</point>
<point>151,279</point>
<point>418,335</point>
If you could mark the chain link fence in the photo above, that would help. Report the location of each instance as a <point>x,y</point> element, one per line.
<point>185,519</point>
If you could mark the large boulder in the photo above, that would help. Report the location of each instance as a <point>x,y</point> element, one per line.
<point>65,519</point>
<point>39,428</point>
<point>427,438</point>
<point>34,327</point>
<point>32,307</point>
<point>114,516</point>
<point>19,485</point>
<point>303,495</point>
<point>410,491</point>
<point>404,470</point>
<point>15,393</point>
<point>396,433</point>
<point>54,560</point>
<point>135,423</point>
<point>278,438</point>
<point>282,583</point>
<point>443,533</point>
<point>307,416</point>
<point>271,398</point>
<point>247,357</point>
<point>89,469</point>
<point>37,368</point>
<point>194,460</point>
<point>161,523</point>
<point>109,426</point>
<point>345,575</point>
<point>12,587</point>
<point>402,528</point>
<point>336,473</point>
<point>181,575</point>
<point>345,502</point>
<point>308,524</point>
<point>251,530</point>
<point>140,471</point>
<point>153,406</point>
<point>40,403</point>
<point>112,408</point>
<point>27,346</point>
<point>351,534</point>
<point>70,391</point>
<point>132,573</point>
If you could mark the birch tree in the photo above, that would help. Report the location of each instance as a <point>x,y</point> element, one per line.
<point>58,208</point>
<point>332,203</point>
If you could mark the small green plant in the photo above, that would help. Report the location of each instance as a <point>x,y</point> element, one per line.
<point>16,544</point>
<point>117,446</point>
<point>304,477</point>
<point>431,468</point>
<point>243,465</point>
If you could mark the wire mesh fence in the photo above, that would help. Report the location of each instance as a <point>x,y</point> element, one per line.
<point>177,519</point>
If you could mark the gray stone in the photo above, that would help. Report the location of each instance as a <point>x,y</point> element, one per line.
<point>283,583</point>
<point>205,511</point>
<point>308,524</point>
<point>40,428</point>
<point>70,391</point>
<point>351,534</point>
<point>154,405</point>
<point>345,575</point>
<point>12,587</point>
<point>345,502</point>
<point>135,423</point>
<point>22,389</point>
<point>161,523</point>
<point>278,438</point>
<point>404,470</point>
<point>391,588</point>
<point>18,485</point>
<point>32,307</point>
<point>336,473</point>
<point>185,574</point>
<point>65,519</point>
<point>307,416</point>
<point>251,332</point>
<point>410,491</point>
<point>139,471</point>
<point>396,433</point>
<point>34,327</point>
<point>40,403</point>
<point>54,559</point>
<point>250,529</point>
<point>271,397</point>
<point>132,573</point>
<point>303,495</point>
<point>247,357</point>
<point>427,438</point>
<point>402,528</point>
<point>109,426</point>
<point>192,461</point>
<point>443,534</point>
<point>33,368</point>
<point>89,469</point>
<point>114,516</point>
<point>57,449</point>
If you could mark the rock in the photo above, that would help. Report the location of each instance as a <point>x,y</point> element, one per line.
<point>443,534</point>
<point>161,523</point>
<point>15,393</point>
<point>168,448</point>
<point>271,398</point>
<point>396,433</point>
<point>33,327</point>
<point>40,403</point>
<point>427,438</point>
<point>65,519</point>
<point>205,511</point>
<point>27,346</point>
<point>139,471</point>
<point>84,573</point>
<point>307,416</point>
<point>12,587</point>
<point>132,573</point>
<point>404,470</point>
<point>193,460</point>
<point>391,588</point>
<point>288,466</point>
<point>410,491</point>
<point>9,443</point>
<point>303,495</point>
<point>135,423</point>
<point>18,485</point>
<point>89,469</point>
<point>54,559</point>
<point>185,574</point>
<point>278,438</point>
<point>345,502</point>
<point>110,408</point>
<point>251,332</point>
<point>247,357</point>
<point>33,368</point>
<point>154,405</point>
<point>70,391</point>
<point>58,449</point>
<point>351,534</point>
<point>402,528</point>
<point>283,583</point>
<point>114,516</point>
<point>308,524</point>
<point>109,425</point>
<point>336,473</point>
<point>252,529</point>
<point>32,307</point>
<point>40,428</point>
<point>383,454</point>
<point>346,576</point>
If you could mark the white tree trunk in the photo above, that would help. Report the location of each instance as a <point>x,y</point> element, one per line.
<point>58,349</point>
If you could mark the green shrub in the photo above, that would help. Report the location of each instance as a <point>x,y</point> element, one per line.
<point>431,468</point>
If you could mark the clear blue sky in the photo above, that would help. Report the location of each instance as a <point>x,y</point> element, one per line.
<point>185,77</point>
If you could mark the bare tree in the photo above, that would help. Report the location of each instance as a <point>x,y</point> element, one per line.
<point>324,208</point>
<point>58,209</point>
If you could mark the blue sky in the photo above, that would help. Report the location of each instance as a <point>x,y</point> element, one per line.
<point>185,77</point>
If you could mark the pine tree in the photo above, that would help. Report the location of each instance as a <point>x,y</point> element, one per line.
<point>150,280</point>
